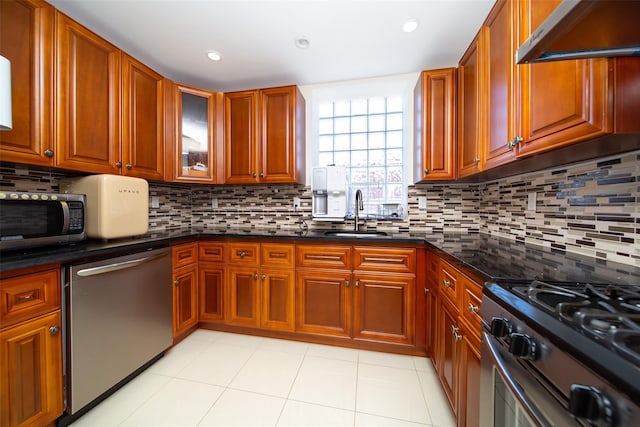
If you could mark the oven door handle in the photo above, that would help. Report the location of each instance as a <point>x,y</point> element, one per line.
<point>522,398</point>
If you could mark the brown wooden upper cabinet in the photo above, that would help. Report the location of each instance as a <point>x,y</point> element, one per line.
<point>509,111</point>
<point>471,99</point>
<point>434,125</point>
<point>108,106</point>
<point>26,39</point>
<point>264,136</point>
<point>194,119</point>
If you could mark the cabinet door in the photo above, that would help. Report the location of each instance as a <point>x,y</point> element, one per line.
<point>277,299</point>
<point>212,292</point>
<point>185,302</point>
<point>240,137</point>
<point>430,317</point>
<point>31,372</point>
<point>26,39</point>
<point>323,302</point>
<point>243,297</point>
<point>142,120</point>
<point>469,381</point>
<point>434,125</point>
<point>561,102</point>
<point>502,39</point>
<point>447,349</point>
<point>383,308</point>
<point>280,151</point>
<point>194,149</point>
<point>470,107</point>
<point>87,100</point>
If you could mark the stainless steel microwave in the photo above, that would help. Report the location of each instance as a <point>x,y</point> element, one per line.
<point>39,219</point>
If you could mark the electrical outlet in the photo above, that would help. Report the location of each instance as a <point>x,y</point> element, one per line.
<point>296,203</point>
<point>531,201</point>
<point>155,202</point>
<point>422,202</point>
<point>214,203</point>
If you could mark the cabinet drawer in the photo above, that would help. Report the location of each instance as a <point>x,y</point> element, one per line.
<point>448,282</point>
<point>396,260</point>
<point>471,301</point>
<point>278,255</point>
<point>27,296</point>
<point>184,255</point>
<point>211,251</point>
<point>338,257</point>
<point>244,253</point>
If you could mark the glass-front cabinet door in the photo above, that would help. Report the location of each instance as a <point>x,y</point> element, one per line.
<point>194,153</point>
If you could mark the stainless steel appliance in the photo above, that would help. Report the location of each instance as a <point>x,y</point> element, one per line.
<point>118,315</point>
<point>39,219</point>
<point>560,354</point>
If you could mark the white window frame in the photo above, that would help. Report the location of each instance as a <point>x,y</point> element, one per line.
<point>398,85</point>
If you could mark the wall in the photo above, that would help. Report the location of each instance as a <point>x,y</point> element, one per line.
<point>590,208</point>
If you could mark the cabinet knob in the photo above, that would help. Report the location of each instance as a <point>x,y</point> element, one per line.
<point>476,160</point>
<point>426,291</point>
<point>242,254</point>
<point>54,330</point>
<point>176,282</point>
<point>129,166</point>
<point>472,308</point>
<point>48,152</point>
<point>446,283</point>
<point>263,277</point>
<point>254,175</point>
<point>255,276</point>
<point>357,283</point>
<point>426,171</point>
<point>118,165</point>
<point>347,283</point>
<point>261,175</point>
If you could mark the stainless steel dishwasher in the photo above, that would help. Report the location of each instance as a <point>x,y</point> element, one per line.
<point>118,319</point>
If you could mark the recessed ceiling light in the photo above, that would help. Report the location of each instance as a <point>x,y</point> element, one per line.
<point>302,42</point>
<point>410,25</point>
<point>214,56</point>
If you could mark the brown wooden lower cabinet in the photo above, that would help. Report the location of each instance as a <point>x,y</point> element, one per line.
<point>323,302</point>
<point>469,378</point>
<point>243,309</point>
<point>277,309</point>
<point>31,372</point>
<point>185,287</point>
<point>447,350</point>
<point>211,292</point>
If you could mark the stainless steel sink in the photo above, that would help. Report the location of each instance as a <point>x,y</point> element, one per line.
<point>356,234</point>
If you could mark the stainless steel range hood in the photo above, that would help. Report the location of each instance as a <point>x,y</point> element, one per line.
<point>579,29</point>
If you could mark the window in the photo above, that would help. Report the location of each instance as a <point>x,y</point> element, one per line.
<point>366,135</point>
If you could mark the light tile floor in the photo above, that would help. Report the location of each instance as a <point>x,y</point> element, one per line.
<point>221,379</point>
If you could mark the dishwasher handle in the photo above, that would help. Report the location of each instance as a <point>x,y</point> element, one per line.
<point>94,271</point>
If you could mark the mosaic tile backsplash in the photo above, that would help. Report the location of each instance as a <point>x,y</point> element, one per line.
<point>590,208</point>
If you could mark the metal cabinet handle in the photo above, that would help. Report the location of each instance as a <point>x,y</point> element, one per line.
<point>426,291</point>
<point>514,142</point>
<point>118,164</point>
<point>347,283</point>
<point>242,254</point>
<point>25,298</point>
<point>129,166</point>
<point>472,308</point>
<point>476,160</point>
<point>54,330</point>
<point>176,282</point>
<point>454,332</point>
<point>254,175</point>
<point>426,171</point>
<point>255,276</point>
<point>263,277</point>
<point>48,152</point>
<point>261,175</point>
<point>446,283</point>
<point>357,283</point>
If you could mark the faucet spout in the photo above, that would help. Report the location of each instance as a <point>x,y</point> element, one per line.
<point>359,206</point>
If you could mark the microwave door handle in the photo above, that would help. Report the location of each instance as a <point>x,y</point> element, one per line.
<point>94,271</point>
<point>530,409</point>
<point>65,216</point>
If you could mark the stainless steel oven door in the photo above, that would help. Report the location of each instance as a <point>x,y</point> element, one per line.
<point>513,395</point>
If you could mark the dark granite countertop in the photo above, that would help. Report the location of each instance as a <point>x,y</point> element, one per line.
<point>485,256</point>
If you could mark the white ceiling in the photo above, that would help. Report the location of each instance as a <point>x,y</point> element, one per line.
<point>349,39</point>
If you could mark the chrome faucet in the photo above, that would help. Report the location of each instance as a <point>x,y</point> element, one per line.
<point>359,207</point>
